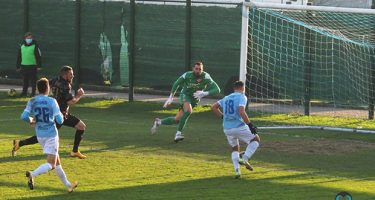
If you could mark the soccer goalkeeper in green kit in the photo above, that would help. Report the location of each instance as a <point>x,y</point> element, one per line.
<point>195,85</point>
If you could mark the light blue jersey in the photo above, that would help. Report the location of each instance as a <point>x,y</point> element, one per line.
<point>230,106</point>
<point>45,110</point>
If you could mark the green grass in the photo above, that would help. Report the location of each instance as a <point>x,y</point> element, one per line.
<point>297,119</point>
<point>126,162</point>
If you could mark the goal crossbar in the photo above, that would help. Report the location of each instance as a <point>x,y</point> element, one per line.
<point>308,8</point>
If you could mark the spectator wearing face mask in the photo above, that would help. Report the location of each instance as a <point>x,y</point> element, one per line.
<point>29,62</point>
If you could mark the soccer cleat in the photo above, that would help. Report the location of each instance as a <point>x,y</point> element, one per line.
<point>179,137</point>
<point>73,187</point>
<point>242,153</point>
<point>16,146</point>
<point>77,154</point>
<point>30,180</point>
<point>154,128</point>
<point>246,164</point>
<point>237,174</point>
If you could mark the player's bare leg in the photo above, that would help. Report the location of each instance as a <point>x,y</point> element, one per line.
<point>80,129</point>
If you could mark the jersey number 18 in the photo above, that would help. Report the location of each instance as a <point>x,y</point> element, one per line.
<point>229,107</point>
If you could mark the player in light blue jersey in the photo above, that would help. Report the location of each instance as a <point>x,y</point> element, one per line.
<point>237,126</point>
<point>46,112</point>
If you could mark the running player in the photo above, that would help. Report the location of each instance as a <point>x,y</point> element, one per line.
<point>194,85</point>
<point>61,90</point>
<point>237,126</point>
<point>46,112</point>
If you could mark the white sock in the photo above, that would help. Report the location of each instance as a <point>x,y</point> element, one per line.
<point>61,174</point>
<point>178,133</point>
<point>42,169</point>
<point>250,150</point>
<point>235,159</point>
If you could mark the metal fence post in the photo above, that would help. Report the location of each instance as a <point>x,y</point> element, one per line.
<point>372,76</point>
<point>26,8</point>
<point>131,50</point>
<point>188,35</point>
<point>77,46</point>
<point>308,67</point>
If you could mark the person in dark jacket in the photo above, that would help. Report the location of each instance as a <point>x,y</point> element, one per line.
<point>29,62</point>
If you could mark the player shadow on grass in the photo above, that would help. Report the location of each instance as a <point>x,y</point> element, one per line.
<point>21,158</point>
<point>12,184</point>
<point>211,188</point>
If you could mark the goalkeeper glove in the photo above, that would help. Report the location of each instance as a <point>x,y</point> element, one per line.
<point>252,128</point>
<point>200,94</point>
<point>169,101</point>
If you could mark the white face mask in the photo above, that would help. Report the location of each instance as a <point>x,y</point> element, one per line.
<point>28,41</point>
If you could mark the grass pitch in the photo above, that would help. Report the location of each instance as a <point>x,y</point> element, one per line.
<point>126,162</point>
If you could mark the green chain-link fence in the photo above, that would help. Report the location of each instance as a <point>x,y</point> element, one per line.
<point>98,47</point>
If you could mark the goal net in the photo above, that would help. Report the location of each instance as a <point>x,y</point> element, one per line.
<point>308,60</point>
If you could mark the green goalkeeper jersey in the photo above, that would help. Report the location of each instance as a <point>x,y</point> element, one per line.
<point>191,83</point>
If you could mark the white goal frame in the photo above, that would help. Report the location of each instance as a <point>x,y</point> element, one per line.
<point>247,4</point>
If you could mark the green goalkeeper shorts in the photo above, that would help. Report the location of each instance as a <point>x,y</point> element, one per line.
<point>187,98</point>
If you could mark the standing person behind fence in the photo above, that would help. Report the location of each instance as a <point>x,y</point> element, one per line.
<point>29,62</point>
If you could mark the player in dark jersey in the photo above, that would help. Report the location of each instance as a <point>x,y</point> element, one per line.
<point>61,90</point>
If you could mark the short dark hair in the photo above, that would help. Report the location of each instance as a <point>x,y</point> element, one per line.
<point>64,69</point>
<point>198,63</point>
<point>27,34</point>
<point>42,85</point>
<point>238,84</point>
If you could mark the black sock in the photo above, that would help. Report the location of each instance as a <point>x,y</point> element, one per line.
<point>77,139</point>
<point>28,141</point>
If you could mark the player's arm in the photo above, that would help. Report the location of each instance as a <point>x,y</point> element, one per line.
<point>211,89</point>
<point>216,109</point>
<point>243,114</point>
<point>175,87</point>
<point>59,118</point>
<point>245,117</point>
<point>38,56</point>
<point>56,112</point>
<point>177,84</point>
<point>25,116</point>
<point>19,60</point>
<point>76,98</point>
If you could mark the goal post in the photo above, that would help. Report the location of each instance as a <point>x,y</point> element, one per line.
<point>308,60</point>
<point>244,39</point>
